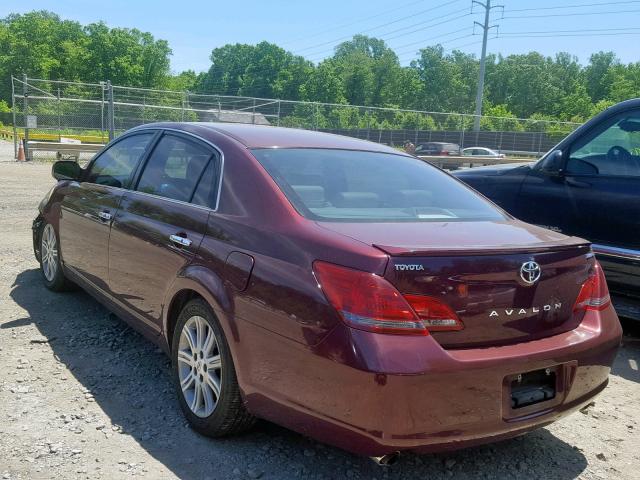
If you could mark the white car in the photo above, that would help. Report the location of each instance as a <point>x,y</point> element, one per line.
<point>481,152</point>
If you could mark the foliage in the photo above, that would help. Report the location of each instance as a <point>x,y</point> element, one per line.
<point>362,71</point>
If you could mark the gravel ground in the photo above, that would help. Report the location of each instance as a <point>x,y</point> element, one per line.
<point>83,396</point>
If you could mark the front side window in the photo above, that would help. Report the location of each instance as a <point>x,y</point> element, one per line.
<point>611,149</point>
<point>115,165</point>
<point>174,168</point>
<point>345,185</point>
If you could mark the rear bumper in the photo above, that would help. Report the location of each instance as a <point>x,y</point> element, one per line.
<point>374,394</point>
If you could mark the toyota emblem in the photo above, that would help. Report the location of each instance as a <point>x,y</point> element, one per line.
<point>530,272</point>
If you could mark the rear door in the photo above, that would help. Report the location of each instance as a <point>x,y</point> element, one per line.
<point>89,206</point>
<point>161,223</point>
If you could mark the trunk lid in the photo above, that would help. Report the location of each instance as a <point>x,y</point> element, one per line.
<point>475,268</point>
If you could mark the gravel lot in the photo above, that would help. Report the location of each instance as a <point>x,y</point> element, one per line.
<point>83,396</point>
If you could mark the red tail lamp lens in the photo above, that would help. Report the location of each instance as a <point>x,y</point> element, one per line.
<point>435,315</point>
<point>594,294</point>
<point>366,301</point>
<point>369,302</point>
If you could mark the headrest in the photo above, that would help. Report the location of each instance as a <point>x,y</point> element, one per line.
<point>311,195</point>
<point>356,199</point>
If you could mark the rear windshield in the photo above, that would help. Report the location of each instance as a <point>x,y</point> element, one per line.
<point>346,185</point>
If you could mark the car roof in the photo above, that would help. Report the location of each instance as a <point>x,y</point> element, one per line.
<point>264,136</point>
<point>440,143</point>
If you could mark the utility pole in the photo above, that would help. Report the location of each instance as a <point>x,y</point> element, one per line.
<point>483,58</point>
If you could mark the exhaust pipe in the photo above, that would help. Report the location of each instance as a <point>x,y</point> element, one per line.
<point>386,460</point>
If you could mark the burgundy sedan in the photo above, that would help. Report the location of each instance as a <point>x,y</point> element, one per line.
<point>338,287</point>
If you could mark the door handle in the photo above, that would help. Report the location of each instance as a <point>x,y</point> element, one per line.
<point>577,183</point>
<point>180,240</point>
<point>105,216</point>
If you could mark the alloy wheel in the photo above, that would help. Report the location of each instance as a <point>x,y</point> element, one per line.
<point>199,366</point>
<point>49,253</point>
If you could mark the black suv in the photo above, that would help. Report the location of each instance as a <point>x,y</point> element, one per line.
<point>588,186</point>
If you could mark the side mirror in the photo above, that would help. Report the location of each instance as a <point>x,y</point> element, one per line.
<point>66,170</point>
<point>553,164</point>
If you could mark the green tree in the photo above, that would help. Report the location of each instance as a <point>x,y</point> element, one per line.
<point>41,45</point>
<point>598,74</point>
<point>263,70</point>
<point>125,56</point>
<point>440,73</point>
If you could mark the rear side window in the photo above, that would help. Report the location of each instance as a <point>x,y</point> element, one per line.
<point>207,189</point>
<point>344,185</point>
<point>116,164</point>
<point>175,168</point>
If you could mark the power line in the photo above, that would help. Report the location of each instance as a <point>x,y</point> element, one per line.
<point>578,5</point>
<point>345,25</point>
<point>570,14</point>
<point>377,26</point>
<point>549,35</point>
<point>424,42</point>
<point>582,30</point>
<point>430,25</point>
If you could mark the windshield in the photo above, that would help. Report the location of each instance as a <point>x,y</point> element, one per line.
<point>346,185</point>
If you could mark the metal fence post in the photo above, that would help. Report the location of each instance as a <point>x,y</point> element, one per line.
<point>540,142</point>
<point>144,105</point>
<point>102,85</point>
<point>185,95</point>
<point>25,94</point>
<point>253,112</point>
<point>13,109</point>
<point>59,118</point>
<point>461,131</point>
<point>110,112</point>
<point>278,120</point>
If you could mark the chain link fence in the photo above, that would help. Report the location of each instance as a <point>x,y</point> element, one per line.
<point>59,111</point>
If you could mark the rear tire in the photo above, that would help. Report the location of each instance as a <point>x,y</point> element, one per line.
<point>50,265</point>
<point>204,374</point>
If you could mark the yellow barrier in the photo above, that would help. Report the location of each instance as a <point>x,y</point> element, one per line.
<point>6,134</point>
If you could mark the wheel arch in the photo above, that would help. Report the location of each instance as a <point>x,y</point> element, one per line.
<point>198,282</point>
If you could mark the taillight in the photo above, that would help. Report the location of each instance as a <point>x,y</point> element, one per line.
<point>435,315</point>
<point>369,302</point>
<point>594,294</point>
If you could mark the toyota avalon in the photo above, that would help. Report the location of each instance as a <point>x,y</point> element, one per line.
<point>341,288</point>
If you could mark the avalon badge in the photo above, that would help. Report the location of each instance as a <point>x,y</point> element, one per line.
<point>530,272</point>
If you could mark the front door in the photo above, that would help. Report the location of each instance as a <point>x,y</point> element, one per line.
<point>89,206</point>
<point>161,223</point>
<point>545,200</point>
<point>602,175</point>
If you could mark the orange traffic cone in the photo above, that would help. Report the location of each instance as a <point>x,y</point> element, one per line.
<point>21,157</point>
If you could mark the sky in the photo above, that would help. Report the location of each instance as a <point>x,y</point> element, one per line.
<point>313,28</point>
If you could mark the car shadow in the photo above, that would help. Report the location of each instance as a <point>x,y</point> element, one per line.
<point>129,378</point>
<point>627,363</point>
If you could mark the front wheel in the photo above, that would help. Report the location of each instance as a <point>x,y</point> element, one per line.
<point>50,265</point>
<point>204,374</point>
